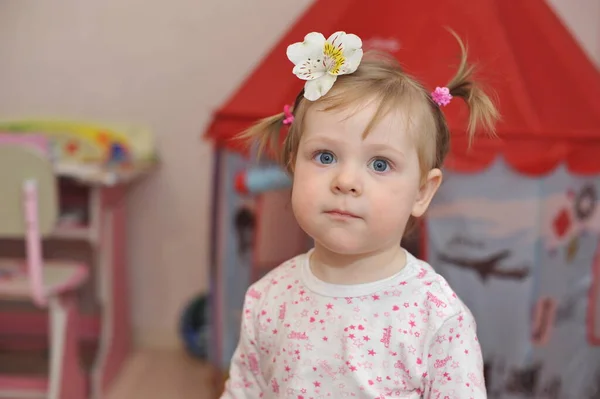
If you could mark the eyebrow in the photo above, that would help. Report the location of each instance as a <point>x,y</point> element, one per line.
<point>323,139</point>
<point>385,148</point>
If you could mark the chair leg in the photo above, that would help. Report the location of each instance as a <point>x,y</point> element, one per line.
<point>66,379</point>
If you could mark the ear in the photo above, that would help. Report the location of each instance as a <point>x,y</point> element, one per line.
<point>427,191</point>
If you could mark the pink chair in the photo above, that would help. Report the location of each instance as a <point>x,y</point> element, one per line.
<point>28,211</point>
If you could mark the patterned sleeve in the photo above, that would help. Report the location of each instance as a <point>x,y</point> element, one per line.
<point>455,367</point>
<point>245,378</point>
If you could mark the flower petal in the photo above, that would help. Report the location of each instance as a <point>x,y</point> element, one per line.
<point>348,41</point>
<point>317,88</point>
<point>336,38</point>
<point>351,62</point>
<point>351,42</point>
<point>343,52</point>
<point>311,47</point>
<point>310,69</point>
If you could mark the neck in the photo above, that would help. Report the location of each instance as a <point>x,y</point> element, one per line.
<point>363,268</point>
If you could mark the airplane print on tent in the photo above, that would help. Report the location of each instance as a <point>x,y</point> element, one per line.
<point>508,244</point>
<point>561,217</point>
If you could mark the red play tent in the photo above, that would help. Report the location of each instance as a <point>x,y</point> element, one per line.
<point>548,88</point>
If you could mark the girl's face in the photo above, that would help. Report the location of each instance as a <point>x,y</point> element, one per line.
<point>354,194</point>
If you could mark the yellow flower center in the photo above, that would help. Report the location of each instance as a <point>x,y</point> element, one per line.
<point>335,58</point>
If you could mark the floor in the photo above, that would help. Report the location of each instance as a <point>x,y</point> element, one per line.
<point>155,374</point>
<point>148,374</point>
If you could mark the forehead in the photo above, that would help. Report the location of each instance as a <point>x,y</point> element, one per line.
<point>359,123</point>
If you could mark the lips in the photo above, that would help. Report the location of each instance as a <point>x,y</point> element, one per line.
<point>342,214</point>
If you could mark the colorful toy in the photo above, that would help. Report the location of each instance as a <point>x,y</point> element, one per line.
<point>88,143</point>
<point>256,180</point>
<point>194,326</point>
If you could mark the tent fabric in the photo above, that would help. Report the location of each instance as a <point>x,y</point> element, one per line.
<point>546,86</point>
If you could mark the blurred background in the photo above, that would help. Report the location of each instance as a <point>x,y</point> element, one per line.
<point>158,226</point>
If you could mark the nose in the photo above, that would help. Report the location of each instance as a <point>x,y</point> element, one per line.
<point>347,181</point>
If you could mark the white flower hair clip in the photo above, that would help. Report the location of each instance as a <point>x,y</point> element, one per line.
<point>320,61</point>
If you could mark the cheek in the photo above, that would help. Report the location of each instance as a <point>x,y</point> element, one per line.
<point>298,200</point>
<point>301,201</point>
<point>394,205</point>
<point>307,180</point>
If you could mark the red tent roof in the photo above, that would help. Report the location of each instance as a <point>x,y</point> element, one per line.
<point>548,90</point>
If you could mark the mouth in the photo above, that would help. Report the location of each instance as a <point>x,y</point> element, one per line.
<point>341,214</point>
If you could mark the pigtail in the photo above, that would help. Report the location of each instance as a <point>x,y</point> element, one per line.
<point>266,134</point>
<point>482,110</point>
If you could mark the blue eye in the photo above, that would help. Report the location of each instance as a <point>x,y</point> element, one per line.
<point>325,157</point>
<point>380,165</point>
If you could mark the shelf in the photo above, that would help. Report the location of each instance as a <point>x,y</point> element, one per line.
<point>95,174</point>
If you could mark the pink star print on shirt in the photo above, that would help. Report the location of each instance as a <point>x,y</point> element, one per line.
<point>408,336</point>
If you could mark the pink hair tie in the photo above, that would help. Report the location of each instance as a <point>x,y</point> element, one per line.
<point>441,96</point>
<point>289,117</point>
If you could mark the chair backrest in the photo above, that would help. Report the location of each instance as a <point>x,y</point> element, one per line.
<point>28,204</point>
<point>20,164</point>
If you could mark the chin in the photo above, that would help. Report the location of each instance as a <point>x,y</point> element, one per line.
<point>342,244</point>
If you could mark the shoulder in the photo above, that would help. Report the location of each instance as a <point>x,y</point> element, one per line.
<point>440,302</point>
<point>273,286</point>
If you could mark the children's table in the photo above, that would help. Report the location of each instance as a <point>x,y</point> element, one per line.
<point>99,192</point>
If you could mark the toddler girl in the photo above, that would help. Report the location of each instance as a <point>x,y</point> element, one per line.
<point>358,315</point>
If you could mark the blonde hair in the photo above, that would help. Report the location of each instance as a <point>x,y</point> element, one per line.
<point>381,77</point>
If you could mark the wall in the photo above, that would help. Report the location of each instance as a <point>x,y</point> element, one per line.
<point>582,18</point>
<point>165,65</point>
